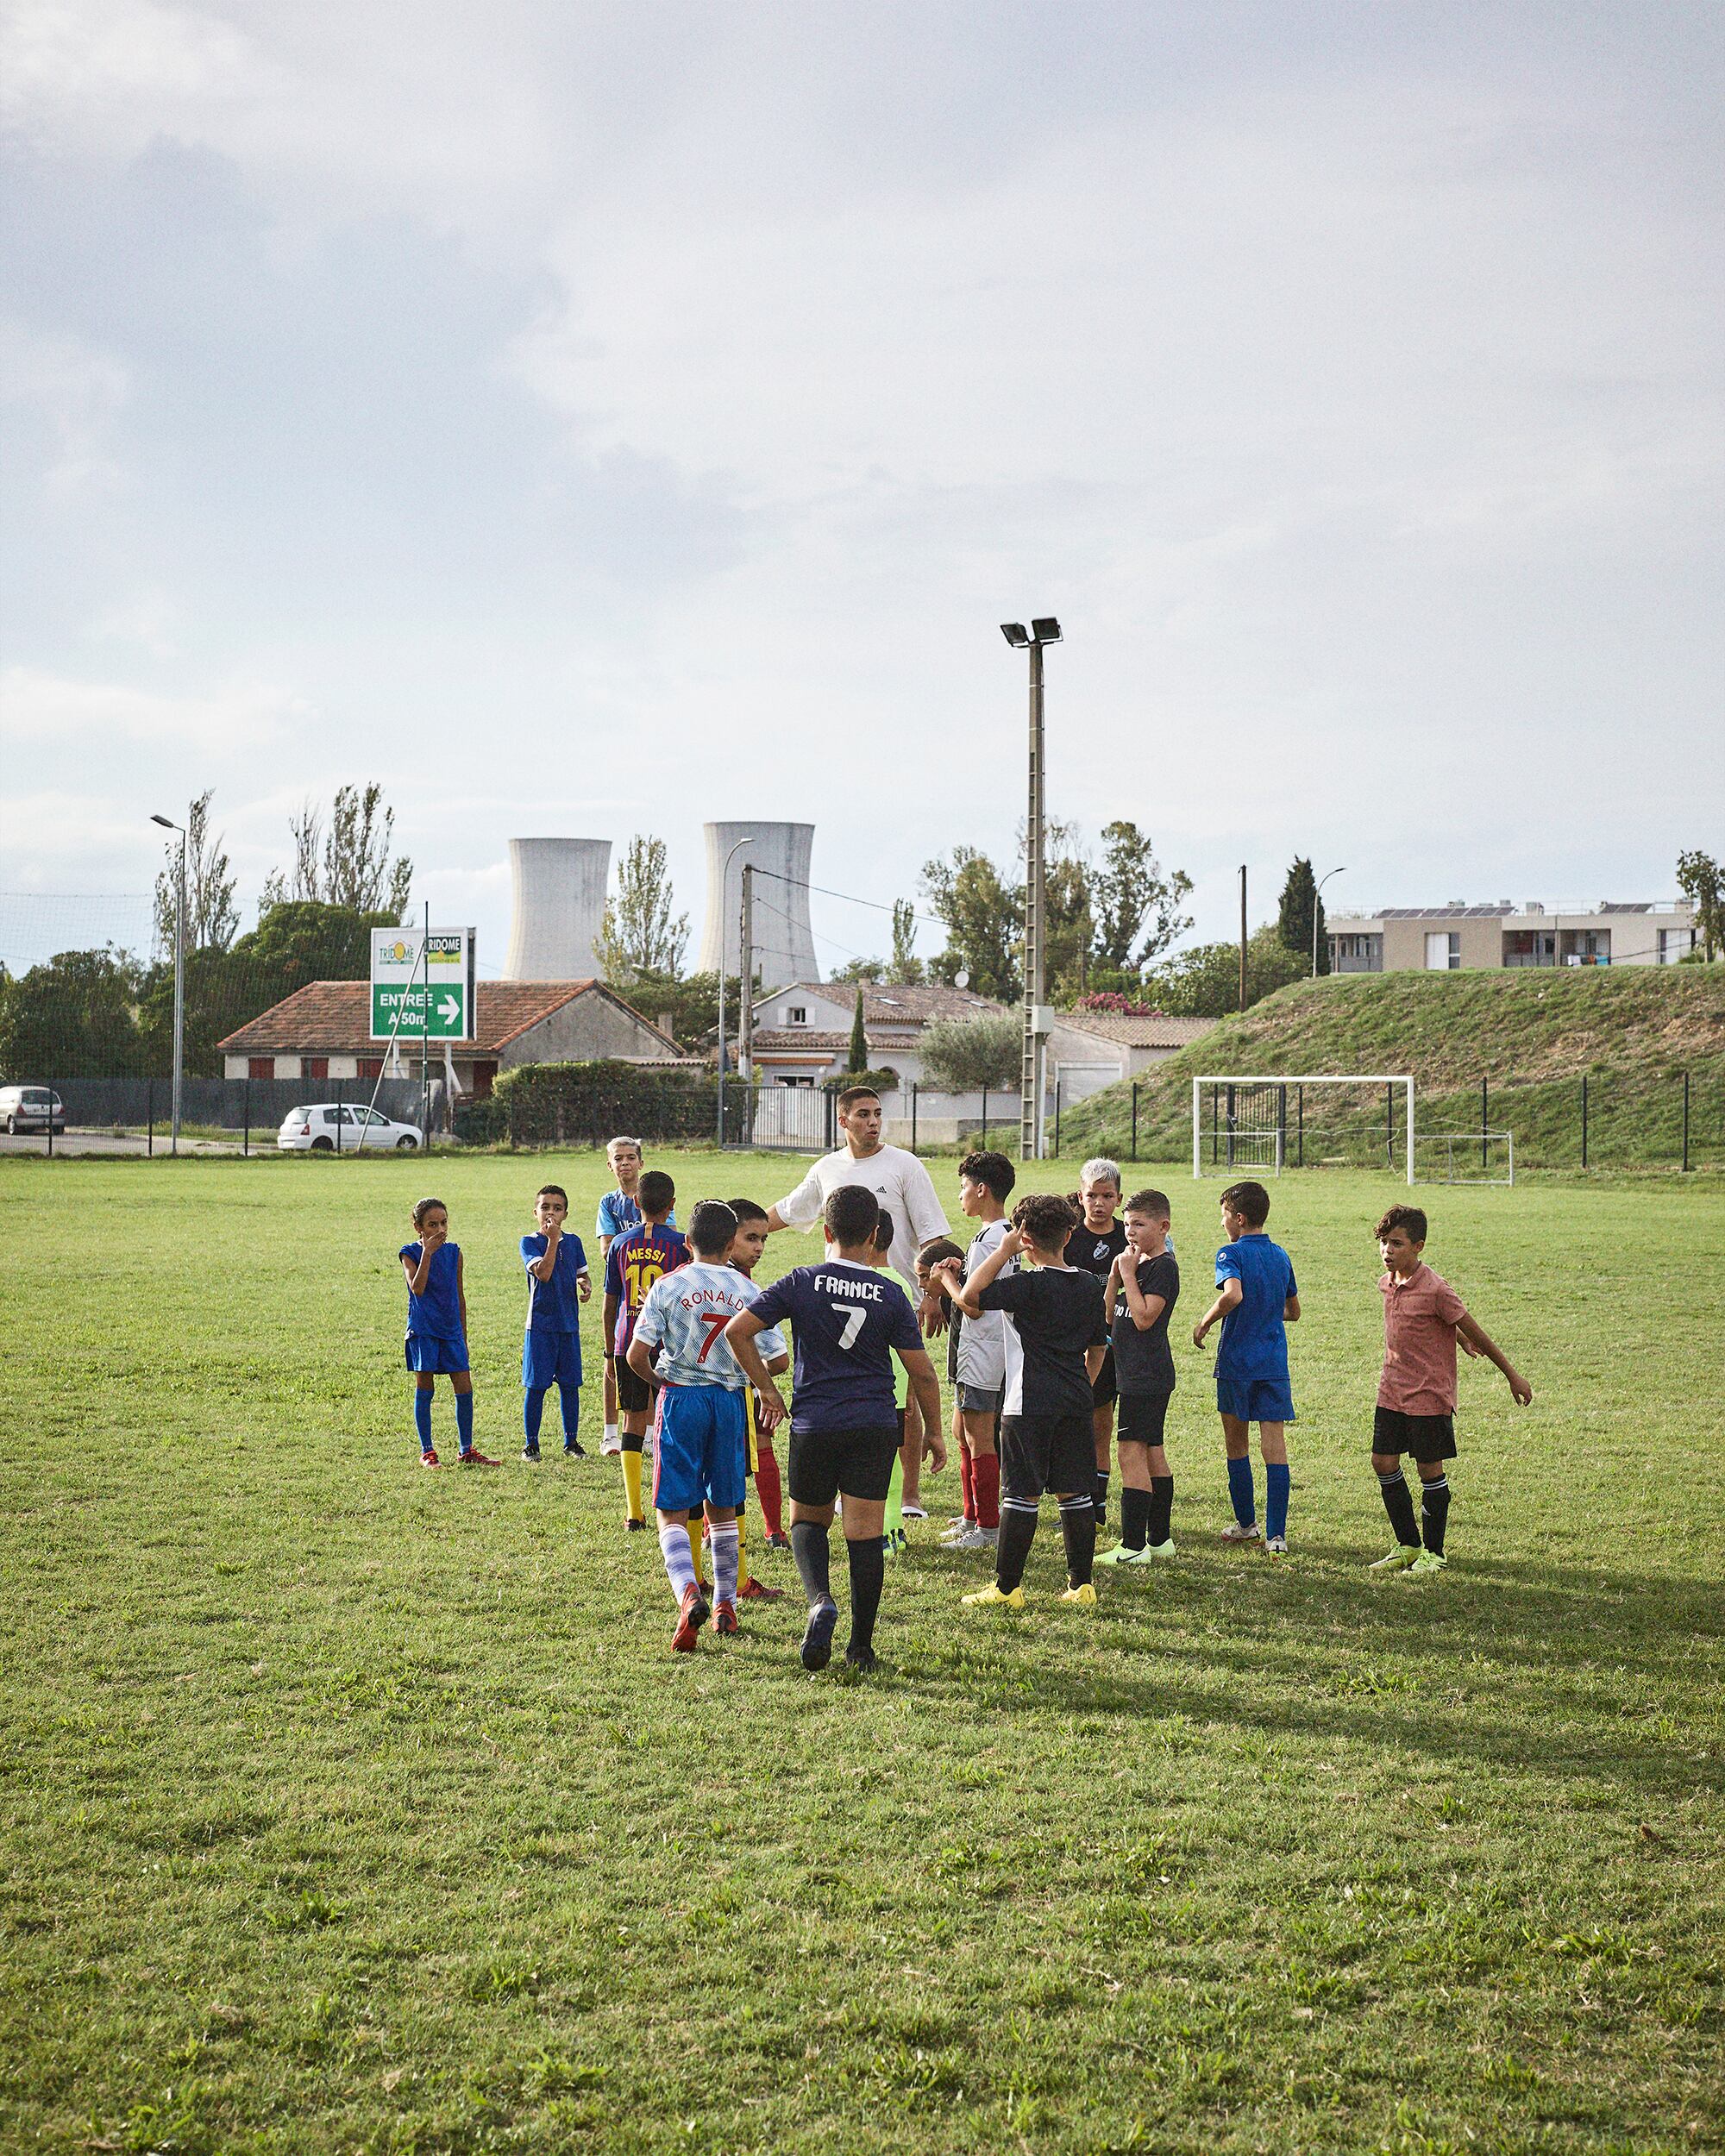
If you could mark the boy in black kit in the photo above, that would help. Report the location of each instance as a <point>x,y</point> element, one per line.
<point>1054,1349</point>
<point>1146,1280</point>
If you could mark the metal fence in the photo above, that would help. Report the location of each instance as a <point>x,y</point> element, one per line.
<point>248,1110</point>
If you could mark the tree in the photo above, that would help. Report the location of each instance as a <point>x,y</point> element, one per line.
<point>1300,896</point>
<point>74,1018</point>
<point>858,1057</point>
<point>984,918</point>
<point>685,1006</point>
<point>967,1054</point>
<point>905,966</point>
<point>639,932</point>
<point>211,918</point>
<point>1702,881</point>
<point>1204,983</point>
<point>1132,899</point>
<point>354,870</point>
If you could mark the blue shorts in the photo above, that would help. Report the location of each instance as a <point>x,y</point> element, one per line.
<point>435,1358</point>
<point>702,1453</point>
<point>551,1358</point>
<point>1255,1398</point>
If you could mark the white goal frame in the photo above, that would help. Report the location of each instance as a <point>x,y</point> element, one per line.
<point>1297,1078</point>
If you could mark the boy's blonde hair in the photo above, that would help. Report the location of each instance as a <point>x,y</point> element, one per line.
<point>633,1144</point>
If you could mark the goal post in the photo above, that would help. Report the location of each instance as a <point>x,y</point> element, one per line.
<point>1249,1113</point>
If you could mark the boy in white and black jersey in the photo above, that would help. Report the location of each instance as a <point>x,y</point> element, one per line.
<point>985,1182</point>
<point>1054,1348</point>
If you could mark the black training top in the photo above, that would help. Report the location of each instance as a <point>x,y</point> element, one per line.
<point>1094,1253</point>
<point>1142,1361</point>
<point>1057,1316</point>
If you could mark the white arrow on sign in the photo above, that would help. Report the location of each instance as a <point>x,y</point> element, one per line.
<point>449,1010</point>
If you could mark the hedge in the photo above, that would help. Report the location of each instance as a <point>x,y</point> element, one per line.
<point>587,1104</point>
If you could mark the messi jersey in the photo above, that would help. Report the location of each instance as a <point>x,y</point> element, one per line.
<point>634,1262</point>
<point>554,1305</point>
<point>848,1321</point>
<point>685,1316</point>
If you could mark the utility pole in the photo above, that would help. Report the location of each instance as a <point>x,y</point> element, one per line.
<point>724,888</point>
<point>745,1020</point>
<point>1242,989</point>
<point>167,823</point>
<point>1045,630</point>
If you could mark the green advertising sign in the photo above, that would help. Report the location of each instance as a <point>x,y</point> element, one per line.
<point>421,987</point>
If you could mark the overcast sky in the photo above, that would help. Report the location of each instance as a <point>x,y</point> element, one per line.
<point>592,419</point>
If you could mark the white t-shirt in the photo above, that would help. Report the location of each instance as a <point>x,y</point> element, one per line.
<point>982,1341</point>
<point>897,1178</point>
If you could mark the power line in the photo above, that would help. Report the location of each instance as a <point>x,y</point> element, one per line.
<point>930,920</point>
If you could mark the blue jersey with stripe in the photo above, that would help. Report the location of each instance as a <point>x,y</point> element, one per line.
<point>436,1314</point>
<point>554,1305</point>
<point>848,1320</point>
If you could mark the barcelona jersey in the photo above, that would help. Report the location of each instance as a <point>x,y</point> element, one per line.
<point>633,1264</point>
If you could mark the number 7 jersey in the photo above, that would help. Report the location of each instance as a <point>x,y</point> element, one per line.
<point>848,1318</point>
<point>685,1316</point>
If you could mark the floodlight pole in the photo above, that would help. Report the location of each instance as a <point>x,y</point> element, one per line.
<point>724,886</point>
<point>167,823</point>
<point>1036,970</point>
<point>745,976</point>
<point>1242,979</point>
<point>1317,896</point>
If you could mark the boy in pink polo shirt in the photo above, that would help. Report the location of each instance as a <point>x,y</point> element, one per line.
<point>1416,1395</point>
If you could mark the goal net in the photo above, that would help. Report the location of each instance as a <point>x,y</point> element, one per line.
<point>1465,1156</point>
<point>1250,1125</point>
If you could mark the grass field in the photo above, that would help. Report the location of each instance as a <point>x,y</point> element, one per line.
<point>350,1808</point>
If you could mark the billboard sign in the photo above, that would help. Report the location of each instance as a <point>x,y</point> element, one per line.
<point>422,984</point>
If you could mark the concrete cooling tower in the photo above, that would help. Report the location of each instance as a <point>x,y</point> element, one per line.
<point>779,854</point>
<point>560,888</point>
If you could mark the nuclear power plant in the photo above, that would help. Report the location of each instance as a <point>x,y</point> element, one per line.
<point>560,890</point>
<point>779,854</point>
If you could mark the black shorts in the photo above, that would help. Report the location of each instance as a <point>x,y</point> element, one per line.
<point>1141,1418</point>
<point>1426,1436</point>
<point>826,1463</point>
<point>1039,1452</point>
<point>1105,1389</point>
<point>633,1394</point>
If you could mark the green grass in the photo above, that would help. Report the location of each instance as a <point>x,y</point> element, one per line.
<point>1531,1035</point>
<point>349,1808</point>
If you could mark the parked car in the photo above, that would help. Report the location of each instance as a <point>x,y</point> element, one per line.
<point>342,1127</point>
<point>30,1108</point>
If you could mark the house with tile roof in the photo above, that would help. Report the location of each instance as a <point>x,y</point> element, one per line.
<point>322,1031</point>
<point>1088,1049</point>
<point>802,1031</point>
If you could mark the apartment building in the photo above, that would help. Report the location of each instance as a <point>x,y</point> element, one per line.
<point>1448,939</point>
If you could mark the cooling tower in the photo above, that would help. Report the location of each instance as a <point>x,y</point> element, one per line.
<point>560,886</point>
<point>784,950</point>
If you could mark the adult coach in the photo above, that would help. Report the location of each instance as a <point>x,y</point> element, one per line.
<point>902,1187</point>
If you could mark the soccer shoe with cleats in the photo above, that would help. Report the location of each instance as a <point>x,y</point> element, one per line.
<point>975,1539</point>
<point>610,1445</point>
<point>1276,1546</point>
<point>1426,1565</point>
<point>428,1458</point>
<point>690,1619</point>
<point>724,1618</point>
<point>1120,1554</point>
<point>1399,1560</point>
<point>573,1448</point>
<point>1083,1597</point>
<point>530,1454</point>
<point>632,1525</point>
<point>993,1596</point>
<point>1234,1532</point>
<point>473,1458</point>
<point>956,1531</point>
<point>1159,1551</point>
<point>816,1647</point>
<point>758,1591</point>
<point>862,1659</point>
<point>778,1542</point>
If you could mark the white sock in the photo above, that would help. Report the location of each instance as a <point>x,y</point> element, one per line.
<point>679,1565</point>
<point>724,1544</point>
<point>610,1429</point>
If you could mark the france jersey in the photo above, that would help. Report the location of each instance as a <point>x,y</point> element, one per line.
<point>554,1305</point>
<point>633,1264</point>
<point>685,1316</point>
<point>848,1318</point>
<point>436,1314</point>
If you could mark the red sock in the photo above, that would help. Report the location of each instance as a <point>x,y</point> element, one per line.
<point>967,1481</point>
<point>986,1474</point>
<point>766,1485</point>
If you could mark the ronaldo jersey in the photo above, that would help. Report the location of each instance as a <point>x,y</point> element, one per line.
<point>685,1316</point>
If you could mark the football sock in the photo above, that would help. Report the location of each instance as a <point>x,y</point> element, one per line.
<point>1078,1525</point>
<point>1240,1491</point>
<point>1400,1506</point>
<point>631,1474</point>
<point>1012,1553</point>
<point>894,1521</point>
<point>808,1547</point>
<point>867,1576</point>
<point>741,1557</point>
<point>697,1555</point>
<point>985,1477</point>
<point>532,1412</point>
<point>1276,1484</point>
<point>725,1555</point>
<point>464,1420</point>
<point>1161,1509</point>
<point>1100,1499</point>
<point>569,1401</point>
<point>766,1486</point>
<point>967,1483</point>
<point>679,1564</point>
<point>1435,1512</point>
<point>422,1419</point>
<point>1134,1516</point>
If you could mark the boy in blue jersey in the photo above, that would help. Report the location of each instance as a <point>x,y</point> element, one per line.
<point>437,1329</point>
<point>635,1261</point>
<point>558,1282</point>
<point>1259,1299</point>
<point>850,1320</point>
<point>702,1457</point>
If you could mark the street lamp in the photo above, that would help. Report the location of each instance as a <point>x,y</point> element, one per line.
<point>1042,630</point>
<point>168,825</point>
<point>724,887</point>
<point>1317,894</point>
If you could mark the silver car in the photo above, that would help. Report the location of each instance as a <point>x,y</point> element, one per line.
<point>344,1127</point>
<point>30,1108</point>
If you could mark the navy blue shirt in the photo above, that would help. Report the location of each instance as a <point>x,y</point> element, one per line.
<point>848,1320</point>
<point>1254,1332</point>
<point>554,1305</point>
<point>436,1314</point>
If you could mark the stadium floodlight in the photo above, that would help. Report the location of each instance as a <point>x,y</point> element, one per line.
<point>168,825</point>
<point>1047,630</point>
<point>1015,634</point>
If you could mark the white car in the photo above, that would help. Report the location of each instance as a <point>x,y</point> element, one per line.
<point>30,1108</point>
<point>333,1127</point>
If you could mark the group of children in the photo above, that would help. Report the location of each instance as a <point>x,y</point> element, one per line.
<point>1058,1322</point>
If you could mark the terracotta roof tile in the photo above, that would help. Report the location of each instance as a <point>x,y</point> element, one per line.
<point>1134,1032</point>
<point>333,1017</point>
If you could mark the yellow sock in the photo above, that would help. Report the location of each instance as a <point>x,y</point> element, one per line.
<point>631,1480</point>
<point>741,1557</point>
<point>696,1551</point>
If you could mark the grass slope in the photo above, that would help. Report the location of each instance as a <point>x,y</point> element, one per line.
<point>351,1807</point>
<point>1633,1031</point>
